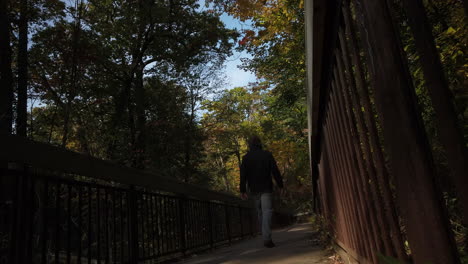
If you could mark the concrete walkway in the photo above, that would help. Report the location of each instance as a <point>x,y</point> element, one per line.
<point>294,245</point>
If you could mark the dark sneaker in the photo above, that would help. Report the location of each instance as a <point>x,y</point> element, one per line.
<point>269,244</point>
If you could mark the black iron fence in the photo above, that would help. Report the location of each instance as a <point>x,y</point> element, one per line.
<point>60,207</point>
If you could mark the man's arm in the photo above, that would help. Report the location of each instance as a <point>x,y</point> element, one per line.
<point>276,173</point>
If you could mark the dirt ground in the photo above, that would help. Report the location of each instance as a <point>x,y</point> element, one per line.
<point>294,245</point>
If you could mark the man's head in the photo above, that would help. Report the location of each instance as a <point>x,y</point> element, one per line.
<point>255,142</point>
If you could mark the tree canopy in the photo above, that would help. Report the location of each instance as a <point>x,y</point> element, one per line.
<point>141,82</point>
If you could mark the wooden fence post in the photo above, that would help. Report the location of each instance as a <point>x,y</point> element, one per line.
<point>405,140</point>
<point>441,97</point>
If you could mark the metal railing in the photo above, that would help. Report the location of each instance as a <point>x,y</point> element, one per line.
<point>58,206</point>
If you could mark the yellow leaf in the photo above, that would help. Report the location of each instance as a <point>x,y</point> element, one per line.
<point>450,30</point>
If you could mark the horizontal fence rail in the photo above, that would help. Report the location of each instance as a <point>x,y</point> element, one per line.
<point>62,207</point>
<point>371,160</point>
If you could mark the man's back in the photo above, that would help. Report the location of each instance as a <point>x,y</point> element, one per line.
<point>257,168</point>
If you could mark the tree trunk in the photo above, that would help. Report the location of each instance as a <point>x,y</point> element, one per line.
<point>238,156</point>
<point>82,138</point>
<point>21,111</point>
<point>120,102</point>
<point>6,74</point>
<point>126,106</point>
<point>131,115</point>
<point>66,122</point>
<point>237,153</point>
<point>74,84</point>
<point>52,125</point>
<point>465,5</point>
<point>140,119</point>
<point>225,176</point>
<point>188,153</point>
<point>188,139</point>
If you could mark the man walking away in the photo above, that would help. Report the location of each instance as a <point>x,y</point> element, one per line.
<point>257,167</point>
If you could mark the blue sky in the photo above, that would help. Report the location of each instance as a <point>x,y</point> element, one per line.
<point>236,77</point>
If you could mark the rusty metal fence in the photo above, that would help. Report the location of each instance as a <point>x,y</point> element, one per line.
<point>57,206</point>
<point>372,167</point>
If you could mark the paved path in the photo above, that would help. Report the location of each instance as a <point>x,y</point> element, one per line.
<point>294,245</point>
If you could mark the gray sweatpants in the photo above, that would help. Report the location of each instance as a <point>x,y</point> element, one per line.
<point>263,203</point>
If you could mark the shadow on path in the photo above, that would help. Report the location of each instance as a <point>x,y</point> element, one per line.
<point>294,245</point>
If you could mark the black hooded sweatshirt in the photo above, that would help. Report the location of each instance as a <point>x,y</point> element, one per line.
<point>257,167</point>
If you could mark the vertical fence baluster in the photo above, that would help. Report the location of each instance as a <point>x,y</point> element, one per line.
<point>30,217</point>
<point>151,225</point>
<point>251,223</point>
<point>241,222</point>
<point>45,215</point>
<point>162,224</point>
<point>196,223</point>
<point>175,211</point>
<point>143,218</point>
<point>69,216</point>
<point>169,223</point>
<point>206,223</point>
<point>182,203</point>
<point>165,222</point>
<point>98,224</point>
<point>201,223</point>
<point>122,228</point>
<point>114,229</point>
<point>133,226</point>
<point>158,225</point>
<point>189,229</point>
<point>175,223</point>
<point>80,233</point>
<point>228,220</point>
<point>20,243</point>
<point>57,222</point>
<point>106,223</point>
<point>210,223</point>
<point>196,230</point>
<point>89,223</point>
<point>164,218</point>
<point>18,217</point>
